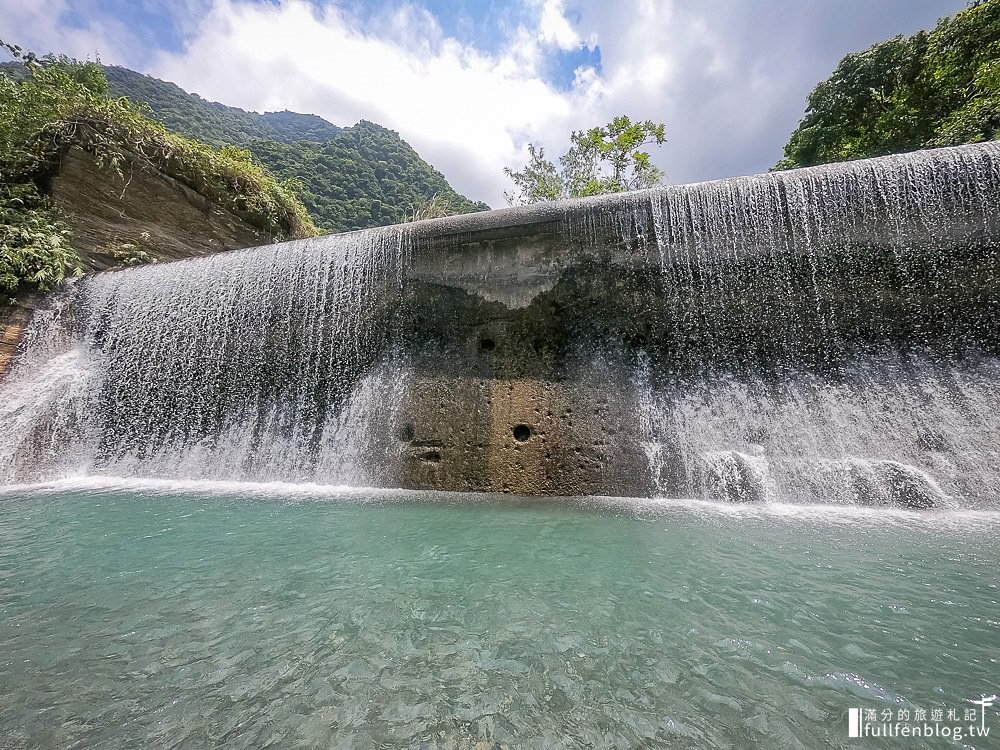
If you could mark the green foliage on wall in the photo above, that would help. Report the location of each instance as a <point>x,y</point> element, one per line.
<point>35,251</point>
<point>936,88</point>
<point>349,178</point>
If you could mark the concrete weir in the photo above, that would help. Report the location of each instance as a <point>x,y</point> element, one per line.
<point>515,338</point>
<point>819,335</point>
<point>562,317</point>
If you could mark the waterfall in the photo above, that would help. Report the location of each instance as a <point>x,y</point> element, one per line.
<point>824,335</point>
<point>267,364</point>
<point>830,335</point>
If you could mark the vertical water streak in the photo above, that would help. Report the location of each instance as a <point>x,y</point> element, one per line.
<point>243,365</point>
<point>830,334</point>
<point>822,335</point>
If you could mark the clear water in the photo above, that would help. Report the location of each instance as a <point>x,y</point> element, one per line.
<point>172,615</point>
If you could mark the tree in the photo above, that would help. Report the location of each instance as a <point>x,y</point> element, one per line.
<point>934,88</point>
<point>539,181</point>
<point>600,160</point>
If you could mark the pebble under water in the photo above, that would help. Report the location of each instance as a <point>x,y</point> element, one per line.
<point>157,614</point>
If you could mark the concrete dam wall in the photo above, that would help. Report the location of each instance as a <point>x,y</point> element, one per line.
<point>820,335</point>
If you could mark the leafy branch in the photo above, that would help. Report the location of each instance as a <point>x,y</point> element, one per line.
<point>600,160</point>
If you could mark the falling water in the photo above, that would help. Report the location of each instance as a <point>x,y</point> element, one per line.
<point>830,335</point>
<point>825,335</point>
<point>269,364</point>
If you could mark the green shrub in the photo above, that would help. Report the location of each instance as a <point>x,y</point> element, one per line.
<point>34,246</point>
<point>132,253</point>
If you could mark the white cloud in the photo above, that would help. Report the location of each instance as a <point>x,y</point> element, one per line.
<point>554,28</point>
<point>37,25</point>
<point>464,110</point>
<point>728,78</point>
<point>468,112</point>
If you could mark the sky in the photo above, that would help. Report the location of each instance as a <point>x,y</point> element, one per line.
<point>469,83</point>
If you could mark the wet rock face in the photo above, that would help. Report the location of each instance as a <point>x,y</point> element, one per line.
<point>734,477</point>
<point>892,483</point>
<point>519,383</point>
<point>524,436</point>
<point>565,319</point>
<point>14,320</point>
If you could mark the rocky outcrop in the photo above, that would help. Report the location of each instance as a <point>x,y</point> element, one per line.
<point>141,215</point>
<point>14,319</point>
<point>112,215</point>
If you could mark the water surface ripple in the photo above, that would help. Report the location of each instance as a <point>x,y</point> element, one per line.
<point>155,616</point>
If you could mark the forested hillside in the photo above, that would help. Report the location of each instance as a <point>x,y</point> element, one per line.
<point>349,178</point>
<point>211,122</point>
<point>365,176</point>
<point>936,88</point>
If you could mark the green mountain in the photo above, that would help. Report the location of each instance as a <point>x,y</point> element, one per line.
<point>936,88</point>
<point>365,176</point>
<point>211,122</point>
<point>348,178</point>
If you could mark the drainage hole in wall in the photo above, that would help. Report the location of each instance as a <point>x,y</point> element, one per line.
<point>487,345</point>
<point>521,432</point>
<point>432,456</point>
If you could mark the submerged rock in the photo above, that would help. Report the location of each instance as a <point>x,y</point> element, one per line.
<point>906,486</point>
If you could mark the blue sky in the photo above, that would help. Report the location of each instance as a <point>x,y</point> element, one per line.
<point>470,82</point>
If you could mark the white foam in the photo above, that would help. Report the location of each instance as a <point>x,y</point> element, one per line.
<point>843,515</point>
